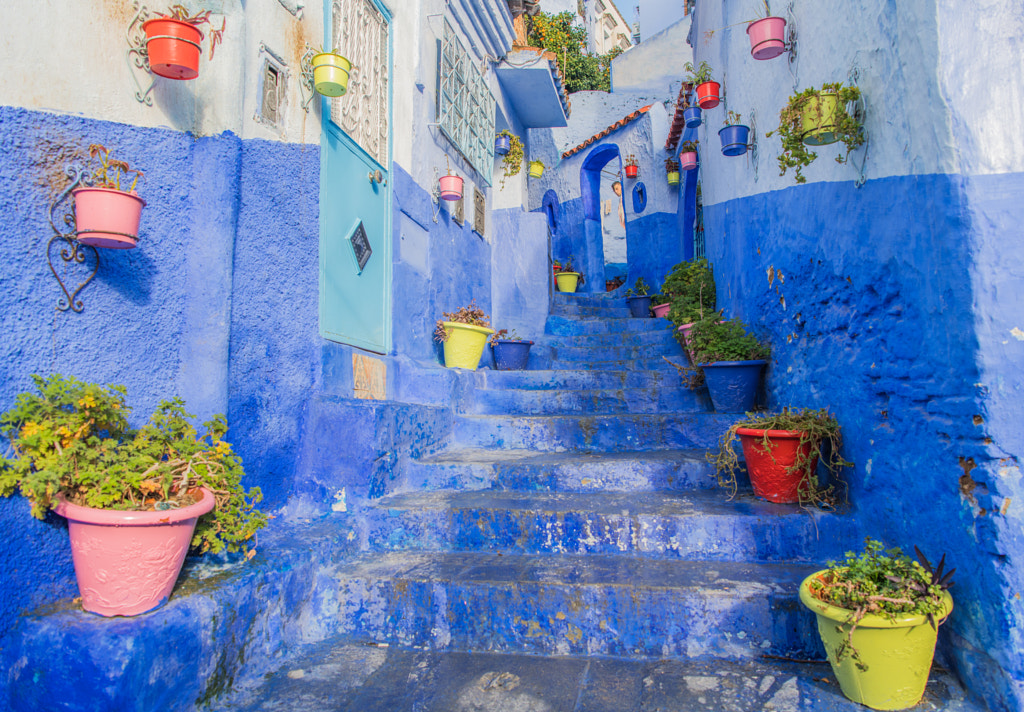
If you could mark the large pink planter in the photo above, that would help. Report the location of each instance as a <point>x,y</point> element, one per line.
<point>126,563</point>
<point>109,218</point>
<point>767,37</point>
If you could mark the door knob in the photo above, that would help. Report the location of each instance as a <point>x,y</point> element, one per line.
<point>375,176</point>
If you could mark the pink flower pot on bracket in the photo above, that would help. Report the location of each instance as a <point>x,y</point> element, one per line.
<point>105,217</point>
<point>451,188</point>
<point>688,160</point>
<point>126,563</point>
<point>767,37</point>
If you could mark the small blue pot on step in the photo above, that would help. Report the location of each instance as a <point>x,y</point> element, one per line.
<point>733,384</point>
<point>639,306</point>
<point>734,139</point>
<point>511,355</point>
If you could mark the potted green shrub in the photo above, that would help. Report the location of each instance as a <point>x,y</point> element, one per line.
<point>817,117</point>
<point>567,279</point>
<point>661,304</point>
<point>878,616</point>
<point>707,87</point>
<point>107,213</point>
<point>135,499</point>
<point>511,351</point>
<point>691,288</point>
<point>511,159</point>
<point>782,451</point>
<point>638,298</point>
<point>731,359</point>
<point>464,334</point>
<point>173,42</point>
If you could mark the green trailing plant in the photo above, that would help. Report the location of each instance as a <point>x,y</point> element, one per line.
<point>691,288</point>
<point>847,128</point>
<point>716,339</point>
<point>732,118</point>
<point>640,288</point>
<point>73,439</point>
<point>505,335</point>
<point>471,314</point>
<point>201,17</point>
<point>685,147</point>
<point>819,430</point>
<point>512,162</point>
<point>699,75</point>
<point>882,582</point>
<point>110,170</point>
<point>659,299</point>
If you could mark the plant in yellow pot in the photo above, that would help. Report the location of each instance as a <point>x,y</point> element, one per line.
<point>878,616</point>
<point>567,279</point>
<point>464,334</point>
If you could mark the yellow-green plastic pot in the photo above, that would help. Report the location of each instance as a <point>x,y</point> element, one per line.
<point>465,344</point>
<point>819,119</point>
<point>536,169</point>
<point>567,281</point>
<point>673,177</point>
<point>898,653</point>
<point>330,74</point>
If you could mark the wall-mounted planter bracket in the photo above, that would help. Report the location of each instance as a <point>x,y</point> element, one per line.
<point>72,252</point>
<point>137,55</point>
<point>306,83</point>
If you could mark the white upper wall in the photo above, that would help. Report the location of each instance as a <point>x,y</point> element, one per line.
<point>655,65</point>
<point>657,15</point>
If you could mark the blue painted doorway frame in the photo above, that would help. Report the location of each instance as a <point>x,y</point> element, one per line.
<point>355,222</point>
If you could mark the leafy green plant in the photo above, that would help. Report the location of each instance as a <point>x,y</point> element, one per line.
<point>471,314</point>
<point>512,162</point>
<point>701,75</point>
<point>846,128</point>
<point>671,165</point>
<point>818,429</point>
<point>640,288</point>
<point>567,40</point>
<point>716,339</point>
<point>201,17</point>
<point>73,438</point>
<point>882,582</point>
<point>505,335</point>
<point>685,147</point>
<point>109,171</point>
<point>691,289</point>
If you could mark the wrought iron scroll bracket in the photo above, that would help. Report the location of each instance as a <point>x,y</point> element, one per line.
<point>752,145</point>
<point>306,82</point>
<point>859,111</point>
<point>72,252</point>
<point>137,56</point>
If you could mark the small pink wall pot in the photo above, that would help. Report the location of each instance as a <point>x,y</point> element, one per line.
<point>105,217</point>
<point>767,37</point>
<point>451,187</point>
<point>126,562</point>
<point>688,160</point>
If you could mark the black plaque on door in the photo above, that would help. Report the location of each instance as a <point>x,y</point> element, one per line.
<point>360,246</point>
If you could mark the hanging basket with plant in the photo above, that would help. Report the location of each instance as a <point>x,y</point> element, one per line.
<point>330,73</point>
<point>464,334</point>
<point>672,171</point>
<point>817,117</point>
<point>707,88</point>
<point>536,169</point>
<point>108,214</point>
<point>512,158</point>
<point>767,35</point>
<point>687,156</point>
<point>632,168</point>
<point>734,135</point>
<point>174,42</point>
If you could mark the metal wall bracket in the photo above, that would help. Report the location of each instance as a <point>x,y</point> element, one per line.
<point>137,55</point>
<point>752,146</point>
<point>859,111</point>
<point>72,252</point>
<point>306,83</point>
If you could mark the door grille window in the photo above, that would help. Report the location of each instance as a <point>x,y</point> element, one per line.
<point>465,105</point>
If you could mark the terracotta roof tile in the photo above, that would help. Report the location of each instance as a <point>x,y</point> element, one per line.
<point>617,125</point>
<point>678,122</point>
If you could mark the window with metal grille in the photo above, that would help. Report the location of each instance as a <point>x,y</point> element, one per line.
<point>465,105</point>
<point>479,212</point>
<point>273,89</point>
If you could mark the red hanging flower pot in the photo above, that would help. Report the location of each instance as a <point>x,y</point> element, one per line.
<point>631,171</point>
<point>707,95</point>
<point>173,48</point>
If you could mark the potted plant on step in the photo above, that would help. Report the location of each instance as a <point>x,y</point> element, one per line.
<point>464,334</point>
<point>135,499</point>
<point>691,286</point>
<point>878,616</point>
<point>173,42</point>
<point>687,157</point>
<point>732,360</point>
<point>567,279</point>
<point>782,451</point>
<point>672,171</point>
<point>512,158</point>
<point>767,35</point>
<point>330,73</point>
<point>536,169</point>
<point>707,87</point>
<point>817,117</point>
<point>511,352</point>
<point>107,214</point>
<point>734,135</point>
<point>638,299</point>
<point>632,168</point>
<point>661,304</point>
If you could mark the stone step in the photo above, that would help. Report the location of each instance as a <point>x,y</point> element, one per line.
<point>577,379</point>
<point>577,605</point>
<point>594,401</point>
<point>619,338</point>
<point>646,353</point>
<point>587,299</point>
<point>699,525</point>
<point>602,433</point>
<point>526,470</point>
<point>557,325</point>
<point>349,676</point>
<point>644,363</point>
<point>605,310</point>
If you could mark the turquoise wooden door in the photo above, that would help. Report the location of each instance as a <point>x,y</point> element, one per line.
<point>355,195</point>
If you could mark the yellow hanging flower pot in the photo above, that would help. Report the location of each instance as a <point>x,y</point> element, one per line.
<point>536,169</point>
<point>464,345</point>
<point>820,119</point>
<point>330,74</point>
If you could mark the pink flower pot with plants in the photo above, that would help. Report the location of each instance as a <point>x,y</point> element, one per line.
<point>688,160</point>
<point>126,563</point>
<point>105,217</point>
<point>661,310</point>
<point>451,188</point>
<point>767,37</point>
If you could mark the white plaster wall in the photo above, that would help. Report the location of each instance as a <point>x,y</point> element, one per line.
<point>656,64</point>
<point>68,56</point>
<point>594,111</point>
<point>657,15</point>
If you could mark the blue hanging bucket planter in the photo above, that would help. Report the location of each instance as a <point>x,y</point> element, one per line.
<point>502,145</point>
<point>511,355</point>
<point>639,306</point>
<point>691,115</point>
<point>733,384</point>
<point>734,139</point>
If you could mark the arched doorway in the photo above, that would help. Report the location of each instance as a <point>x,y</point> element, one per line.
<point>599,169</point>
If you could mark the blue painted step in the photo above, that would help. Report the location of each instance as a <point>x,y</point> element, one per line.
<point>644,363</point>
<point>570,326</point>
<point>621,338</point>
<point>584,310</point>
<point>605,433</point>
<point>577,379</point>
<point>592,401</point>
<point>573,605</point>
<point>562,471</point>
<point>623,352</point>
<point>699,525</point>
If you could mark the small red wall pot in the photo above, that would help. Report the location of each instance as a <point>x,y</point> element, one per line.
<point>707,95</point>
<point>631,171</point>
<point>173,48</point>
<point>769,467</point>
